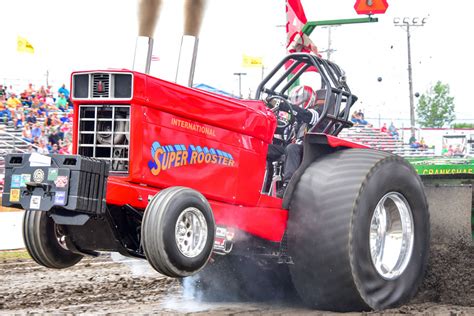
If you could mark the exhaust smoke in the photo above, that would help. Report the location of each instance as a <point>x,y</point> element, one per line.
<point>148,12</point>
<point>193,15</point>
<point>241,279</point>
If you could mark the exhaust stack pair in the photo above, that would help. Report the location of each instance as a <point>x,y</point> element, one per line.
<point>148,11</point>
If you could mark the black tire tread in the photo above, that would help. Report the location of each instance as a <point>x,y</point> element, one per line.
<point>339,185</point>
<point>153,221</point>
<point>370,302</point>
<point>43,249</point>
<point>342,182</point>
<point>152,247</point>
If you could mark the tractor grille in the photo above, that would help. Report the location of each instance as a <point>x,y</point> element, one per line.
<point>104,133</point>
<point>100,85</point>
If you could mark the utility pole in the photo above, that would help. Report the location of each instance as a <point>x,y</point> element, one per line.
<point>329,50</point>
<point>406,23</point>
<point>240,74</point>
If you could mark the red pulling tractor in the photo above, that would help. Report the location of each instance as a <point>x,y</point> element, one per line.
<point>180,177</point>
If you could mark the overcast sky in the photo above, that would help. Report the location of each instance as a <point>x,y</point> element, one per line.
<point>99,34</point>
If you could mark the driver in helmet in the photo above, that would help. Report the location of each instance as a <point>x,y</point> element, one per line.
<point>303,100</point>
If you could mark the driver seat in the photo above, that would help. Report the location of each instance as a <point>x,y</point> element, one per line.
<point>319,107</point>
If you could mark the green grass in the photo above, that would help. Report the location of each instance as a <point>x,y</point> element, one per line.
<point>9,255</point>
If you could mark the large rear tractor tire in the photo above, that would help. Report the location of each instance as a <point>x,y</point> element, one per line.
<point>45,241</point>
<point>178,231</point>
<point>358,232</point>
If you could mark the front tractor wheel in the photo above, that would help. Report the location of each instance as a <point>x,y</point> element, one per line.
<point>358,231</point>
<point>178,231</point>
<point>45,241</point>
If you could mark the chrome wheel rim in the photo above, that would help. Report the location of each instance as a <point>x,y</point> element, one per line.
<point>391,235</point>
<point>60,236</point>
<point>191,232</point>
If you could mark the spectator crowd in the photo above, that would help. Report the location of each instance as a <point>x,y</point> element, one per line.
<point>358,118</point>
<point>458,150</point>
<point>417,144</point>
<point>391,130</point>
<point>43,115</point>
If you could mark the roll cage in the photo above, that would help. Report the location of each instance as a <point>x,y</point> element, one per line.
<point>334,114</point>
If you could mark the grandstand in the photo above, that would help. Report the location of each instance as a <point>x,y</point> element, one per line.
<point>374,138</point>
<point>11,140</point>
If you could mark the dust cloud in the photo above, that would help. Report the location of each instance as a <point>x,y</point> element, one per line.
<point>137,267</point>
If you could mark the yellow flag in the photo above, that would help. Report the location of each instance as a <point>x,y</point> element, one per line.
<point>251,61</point>
<point>24,46</point>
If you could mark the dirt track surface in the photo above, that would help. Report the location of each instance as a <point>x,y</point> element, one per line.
<point>101,285</point>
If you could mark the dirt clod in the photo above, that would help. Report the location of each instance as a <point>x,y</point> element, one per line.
<point>450,275</point>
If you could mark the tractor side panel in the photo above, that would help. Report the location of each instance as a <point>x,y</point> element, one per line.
<point>266,220</point>
<point>200,140</point>
<point>188,137</point>
<point>248,118</point>
<point>178,151</point>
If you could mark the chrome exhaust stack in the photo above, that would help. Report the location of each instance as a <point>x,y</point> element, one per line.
<point>143,53</point>
<point>187,60</point>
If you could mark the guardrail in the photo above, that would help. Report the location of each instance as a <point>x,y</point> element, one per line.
<point>13,143</point>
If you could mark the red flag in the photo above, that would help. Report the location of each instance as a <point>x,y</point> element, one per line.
<point>296,18</point>
<point>297,41</point>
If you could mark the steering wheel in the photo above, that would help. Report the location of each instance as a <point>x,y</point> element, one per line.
<point>274,103</point>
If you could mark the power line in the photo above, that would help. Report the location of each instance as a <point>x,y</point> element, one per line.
<point>329,49</point>
<point>406,23</point>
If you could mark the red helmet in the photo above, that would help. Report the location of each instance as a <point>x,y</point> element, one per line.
<point>303,96</point>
